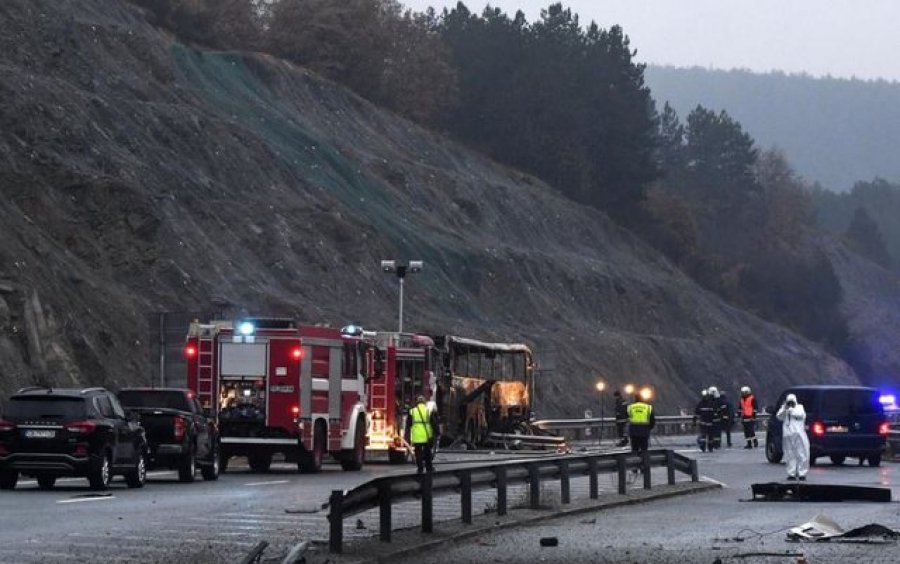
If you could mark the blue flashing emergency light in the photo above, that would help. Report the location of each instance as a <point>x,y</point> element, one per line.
<point>246,328</point>
<point>887,399</point>
<point>354,330</point>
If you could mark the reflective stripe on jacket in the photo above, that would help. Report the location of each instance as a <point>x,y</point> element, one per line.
<point>420,432</point>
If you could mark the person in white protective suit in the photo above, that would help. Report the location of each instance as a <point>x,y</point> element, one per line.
<point>794,442</point>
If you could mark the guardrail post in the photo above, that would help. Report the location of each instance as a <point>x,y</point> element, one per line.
<point>500,472</point>
<point>695,471</point>
<point>384,512</point>
<point>564,482</point>
<point>535,479</point>
<point>427,503</point>
<point>670,466</point>
<point>465,482</point>
<point>645,468</point>
<point>336,522</point>
<point>592,478</point>
<point>622,468</point>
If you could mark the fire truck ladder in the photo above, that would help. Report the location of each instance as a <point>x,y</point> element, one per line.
<point>205,393</point>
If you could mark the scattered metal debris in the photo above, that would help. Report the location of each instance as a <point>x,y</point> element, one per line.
<point>549,541</point>
<point>823,528</point>
<point>777,491</point>
<point>295,554</point>
<point>256,553</point>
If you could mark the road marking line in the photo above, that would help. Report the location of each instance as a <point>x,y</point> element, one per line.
<point>268,483</point>
<point>82,499</point>
<point>149,475</point>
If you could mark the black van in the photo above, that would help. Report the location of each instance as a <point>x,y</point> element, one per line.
<point>841,421</point>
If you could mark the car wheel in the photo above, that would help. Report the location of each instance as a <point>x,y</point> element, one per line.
<point>358,454</point>
<point>838,459</point>
<point>99,472</point>
<point>773,453</point>
<point>187,467</point>
<point>211,471</point>
<point>8,479</point>
<point>138,477</point>
<point>46,482</point>
<point>875,460</point>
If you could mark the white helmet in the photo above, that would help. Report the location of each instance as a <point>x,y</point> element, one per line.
<point>745,390</point>
<point>714,391</point>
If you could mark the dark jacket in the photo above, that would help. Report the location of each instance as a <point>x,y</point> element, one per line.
<point>726,410</point>
<point>706,410</point>
<point>621,410</point>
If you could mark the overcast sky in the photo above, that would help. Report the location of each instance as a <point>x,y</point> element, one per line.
<point>842,38</point>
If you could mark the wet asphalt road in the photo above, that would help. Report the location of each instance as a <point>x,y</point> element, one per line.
<point>168,521</point>
<point>716,526</point>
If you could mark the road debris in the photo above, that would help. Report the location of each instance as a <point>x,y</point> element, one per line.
<point>549,541</point>
<point>777,491</point>
<point>823,528</point>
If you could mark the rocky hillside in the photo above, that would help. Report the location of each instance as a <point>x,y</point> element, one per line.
<point>139,175</point>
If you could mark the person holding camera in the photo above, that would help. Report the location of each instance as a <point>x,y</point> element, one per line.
<point>794,441</point>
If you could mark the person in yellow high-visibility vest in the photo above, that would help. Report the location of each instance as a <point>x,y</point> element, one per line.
<point>421,426</point>
<point>641,420</point>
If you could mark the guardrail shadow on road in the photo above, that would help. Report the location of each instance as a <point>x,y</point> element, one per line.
<point>384,492</point>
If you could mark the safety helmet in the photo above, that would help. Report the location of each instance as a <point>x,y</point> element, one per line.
<point>745,391</point>
<point>714,391</point>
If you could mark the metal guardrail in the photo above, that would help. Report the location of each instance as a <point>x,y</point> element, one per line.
<point>383,492</point>
<point>665,425</point>
<point>893,442</point>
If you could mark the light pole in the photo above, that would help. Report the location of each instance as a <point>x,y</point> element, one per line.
<point>601,386</point>
<point>401,269</point>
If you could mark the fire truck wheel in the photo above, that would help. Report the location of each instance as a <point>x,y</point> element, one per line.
<point>8,479</point>
<point>357,455</point>
<point>187,467</point>
<point>311,462</point>
<point>260,462</point>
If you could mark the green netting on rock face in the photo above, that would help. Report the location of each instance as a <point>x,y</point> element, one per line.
<point>240,96</point>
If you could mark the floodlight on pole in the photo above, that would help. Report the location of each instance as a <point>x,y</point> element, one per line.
<point>401,269</point>
<point>601,386</point>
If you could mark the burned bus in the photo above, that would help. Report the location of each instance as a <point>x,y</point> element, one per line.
<point>484,391</point>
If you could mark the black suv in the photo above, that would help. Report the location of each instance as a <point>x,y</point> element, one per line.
<point>52,432</point>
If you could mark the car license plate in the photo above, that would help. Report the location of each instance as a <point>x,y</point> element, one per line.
<point>836,429</point>
<point>40,434</point>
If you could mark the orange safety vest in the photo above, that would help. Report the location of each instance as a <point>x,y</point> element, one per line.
<point>747,407</point>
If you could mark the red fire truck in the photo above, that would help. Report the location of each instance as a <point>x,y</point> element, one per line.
<point>279,387</point>
<point>402,370</point>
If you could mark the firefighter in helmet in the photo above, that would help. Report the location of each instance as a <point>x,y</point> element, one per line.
<point>749,409</point>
